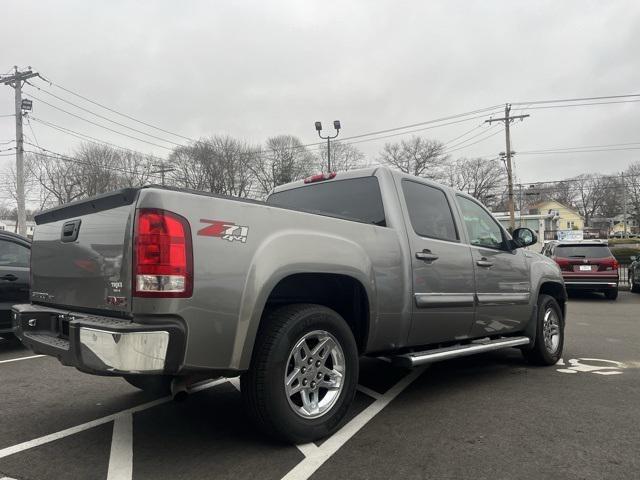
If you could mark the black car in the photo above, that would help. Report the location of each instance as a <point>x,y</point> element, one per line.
<point>15,251</point>
<point>634,274</point>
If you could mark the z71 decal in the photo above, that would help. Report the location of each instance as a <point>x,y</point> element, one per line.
<point>225,230</point>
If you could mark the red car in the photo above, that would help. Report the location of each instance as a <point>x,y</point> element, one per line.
<point>586,265</point>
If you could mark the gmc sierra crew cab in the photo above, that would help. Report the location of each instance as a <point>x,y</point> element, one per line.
<point>166,287</point>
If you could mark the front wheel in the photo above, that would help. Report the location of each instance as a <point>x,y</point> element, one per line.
<point>303,373</point>
<point>549,339</point>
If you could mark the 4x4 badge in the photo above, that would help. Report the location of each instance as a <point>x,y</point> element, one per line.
<point>225,230</point>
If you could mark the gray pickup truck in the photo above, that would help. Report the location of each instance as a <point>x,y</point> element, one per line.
<point>166,287</point>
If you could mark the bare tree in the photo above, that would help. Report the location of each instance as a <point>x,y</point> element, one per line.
<point>58,178</point>
<point>343,157</point>
<point>417,156</point>
<point>97,168</point>
<point>482,179</point>
<point>219,164</point>
<point>564,192</point>
<point>283,160</point>
<point>188,167</point>
<point>591,191</point>
<point>632,190</point>
<point>134,169</point>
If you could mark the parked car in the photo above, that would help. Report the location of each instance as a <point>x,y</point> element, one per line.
<point>165,286</point>
<point>586,265</point>
<point>634,274</point>
<point>14,276</point>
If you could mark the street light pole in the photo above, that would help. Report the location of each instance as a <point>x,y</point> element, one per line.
<point>328,138</point>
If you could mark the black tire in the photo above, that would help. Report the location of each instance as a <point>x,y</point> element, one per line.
<point>155,384</point>
<point>540,354</point>
<point>611,294</point>
<point>9,337</point>
<point>263,387</point>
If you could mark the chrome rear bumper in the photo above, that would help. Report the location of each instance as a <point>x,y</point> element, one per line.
<point>101,345</point>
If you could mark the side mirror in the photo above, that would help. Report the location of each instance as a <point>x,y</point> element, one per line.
<point>523,237</point>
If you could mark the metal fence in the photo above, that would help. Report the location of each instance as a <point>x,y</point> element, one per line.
<point>623,272</point>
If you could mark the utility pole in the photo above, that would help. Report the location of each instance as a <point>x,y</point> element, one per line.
<point>507,121</point>
<point>624,205</point>
<point>16,80</point>
<point>162,171</point>
<point>520,209</point>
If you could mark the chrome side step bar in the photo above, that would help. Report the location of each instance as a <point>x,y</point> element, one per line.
<point>429,356</point>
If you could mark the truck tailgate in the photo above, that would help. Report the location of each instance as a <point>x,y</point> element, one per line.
<point>81,254</point>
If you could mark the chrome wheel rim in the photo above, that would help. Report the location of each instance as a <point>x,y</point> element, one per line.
<point>551,330</point>
<point>314,375</point>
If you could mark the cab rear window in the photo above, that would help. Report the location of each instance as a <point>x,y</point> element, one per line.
<point>582,251</point>
<point>353,199</point>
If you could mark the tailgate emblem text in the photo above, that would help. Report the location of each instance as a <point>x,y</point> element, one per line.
<point>225,230</point>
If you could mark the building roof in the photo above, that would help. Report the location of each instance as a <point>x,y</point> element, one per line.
<point>537,205</point>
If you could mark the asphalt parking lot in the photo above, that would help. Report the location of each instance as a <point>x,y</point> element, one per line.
<point>483,417</point>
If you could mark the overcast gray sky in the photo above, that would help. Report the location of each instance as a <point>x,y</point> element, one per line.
<point>252,69</point>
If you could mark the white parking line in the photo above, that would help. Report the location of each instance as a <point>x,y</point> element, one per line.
<point>367,391</point>
<point>5,452</point>
<point>121,456</point>
<point>321,454</point>
<point>21,358</point>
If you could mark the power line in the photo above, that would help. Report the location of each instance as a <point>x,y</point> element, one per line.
<point>31,130</point>
<point>115,111</point>
<point>102,116</point>
<point>576,151</point>
<point>463,135</point>
<point>52,154</point>
<point>580,104</point>
<point>454,149</point>
<point>89,138</point>
<point>100,125</point>
<point>582,99</point>
<point>587,146</point>
<point>346,138</point>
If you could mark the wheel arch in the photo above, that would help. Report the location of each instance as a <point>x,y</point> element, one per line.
<point>340,292</point>
<point>553,288</point>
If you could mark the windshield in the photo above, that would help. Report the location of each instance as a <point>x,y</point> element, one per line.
<point>583,251</point>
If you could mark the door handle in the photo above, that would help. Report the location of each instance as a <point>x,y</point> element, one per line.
<point>483,262</point>
<point>426,256</point>
<point>10,277</point>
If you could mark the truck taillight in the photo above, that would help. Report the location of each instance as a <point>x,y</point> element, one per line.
<point>162,255</point>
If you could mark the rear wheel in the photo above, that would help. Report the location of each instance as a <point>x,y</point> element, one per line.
<point>611,294</point>
<point>156,384</point>
<point>303,373</point>
<point>549,340</point>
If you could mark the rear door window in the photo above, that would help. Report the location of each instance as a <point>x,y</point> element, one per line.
<point>582,251</point>
<point>353,199</point>
<point>13,254</point>
<point>429,211</point>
